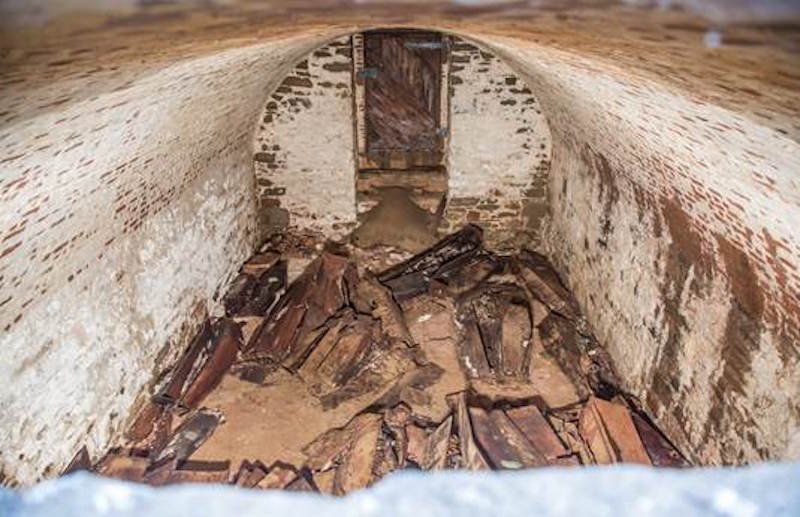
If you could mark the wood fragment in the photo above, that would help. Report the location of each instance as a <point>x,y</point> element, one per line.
<point>417,443</point>
<point>471,455</point>
<point>260,262</point>
<point>472,352</point>
<point>530,421</point>
<point>249,474</point>
<point>561,340</point>
<point>396,420</point>
<point>122,465</point>
<point>504,445</point>
<point>611,434</point>
<point>355,471</point>
<point>324,481</point>
<point>189,436</point>
<point>435,452</point>
<point>280,475</point>
<point>81,461</point>
<point>373,298</point>
<point>304,482</point>
<point>224,348</point>
<point>310,301</point>
<point>412,277</point>
<point>660,451</point>
<point>145,421</point>
<point>201,472</point>
<point>352,346</point>
<point>468,270</point>
<point>197,352</point>
<point>543,283</point>
<point>323,347</point>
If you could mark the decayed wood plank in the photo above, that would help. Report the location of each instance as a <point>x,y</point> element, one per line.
<point>610,433</point>
<point>280,476</point>
<point>200,472</point>
<point>145,421</point>
<point>561,340</point>
<point>422,266</point>
<point>471,455</point>
<point>417,441</point>
<point>373,298</point>
<point>355,472</point>
<point>472,352</point>
<point>396,420</point>
<point>261,262</point>
<point>310,301</point>
<point>324,481</point>
<point>323,347</point>
<point>224,349</point>
<point>435,453</point>
<point>351,348</point>
<point>505,447</point>
<point>530,421</point>
<point>544,284</point>
<point>303,483</point>
<point>81,461</point>
<point>123,466</point>
<point>250,474</point>
<point>196,354</point>
<point>468,270</point>
<point>189,436</point>
<point>516,341</point>
<point>658,448</point>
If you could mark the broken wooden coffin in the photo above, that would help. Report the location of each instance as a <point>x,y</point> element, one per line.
<point>468,270</point>
<point>543,283</point>
<point>503,444</point>
<point>497,331</point>
<point>257,288</point>
<point>199,371</point>
<point>412,277</point>
<point>339,353</point>
<point>371,297</point>
<point>611,434</point>
<point>471,456</point>
<point>189,436</point>
<point>310,301</point>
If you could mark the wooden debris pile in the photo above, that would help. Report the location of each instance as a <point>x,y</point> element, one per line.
<point>380,338</point>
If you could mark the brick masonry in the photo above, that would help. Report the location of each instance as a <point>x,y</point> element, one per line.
<point>304,156</point>
<point>127,199</point>
<point>498,158</point>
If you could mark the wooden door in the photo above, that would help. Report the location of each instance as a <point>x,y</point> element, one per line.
<point>403,119</point>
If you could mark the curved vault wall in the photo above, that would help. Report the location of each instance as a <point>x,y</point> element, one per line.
<point>128,201</point>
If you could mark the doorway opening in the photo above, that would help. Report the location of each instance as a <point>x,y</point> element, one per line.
<point>401,95</point>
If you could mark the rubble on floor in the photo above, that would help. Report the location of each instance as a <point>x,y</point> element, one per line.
<point>455,358</point>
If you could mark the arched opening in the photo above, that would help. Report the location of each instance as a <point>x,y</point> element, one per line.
<point>442,128</point>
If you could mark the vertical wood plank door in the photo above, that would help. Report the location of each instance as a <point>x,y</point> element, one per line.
<point>402,87</point>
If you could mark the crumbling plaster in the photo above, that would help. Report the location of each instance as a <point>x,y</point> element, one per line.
<point>498,157</point>
<point>305,148</point>
<point>127,199</point>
